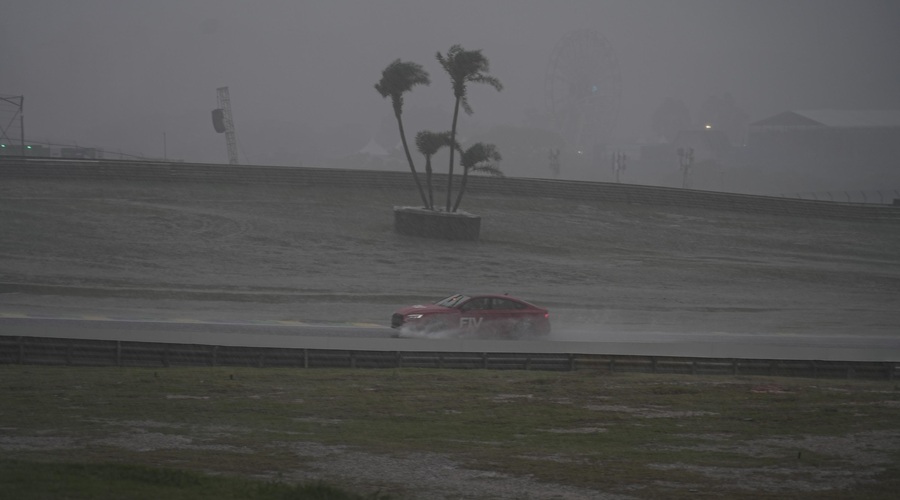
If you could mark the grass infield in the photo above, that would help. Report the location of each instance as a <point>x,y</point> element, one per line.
<point>177,432</point>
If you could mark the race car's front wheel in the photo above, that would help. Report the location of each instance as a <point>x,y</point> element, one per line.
<point>437,325</point>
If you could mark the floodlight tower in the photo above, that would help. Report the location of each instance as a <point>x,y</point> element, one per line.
<point>223,122</point>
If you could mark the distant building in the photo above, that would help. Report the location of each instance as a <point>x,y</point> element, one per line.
<point>833,149</point>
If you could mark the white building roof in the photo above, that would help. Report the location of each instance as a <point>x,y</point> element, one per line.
<point>834,118</point>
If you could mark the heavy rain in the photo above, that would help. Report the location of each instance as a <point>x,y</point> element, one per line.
<point>224,226</point>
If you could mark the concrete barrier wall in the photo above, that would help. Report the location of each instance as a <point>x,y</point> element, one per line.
<point>24,168</point>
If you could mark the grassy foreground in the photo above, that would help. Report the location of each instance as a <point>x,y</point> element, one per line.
<point>145,433</point>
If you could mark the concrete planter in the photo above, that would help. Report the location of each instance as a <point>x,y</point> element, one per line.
<point>416,221</point>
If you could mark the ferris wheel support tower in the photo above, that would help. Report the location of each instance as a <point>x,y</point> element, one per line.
<point>583,88</point>
<point>223,123</point>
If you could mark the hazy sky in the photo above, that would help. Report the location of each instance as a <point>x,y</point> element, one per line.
<point>119,74</point>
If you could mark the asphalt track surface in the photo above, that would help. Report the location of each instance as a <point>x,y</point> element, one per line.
<point>152,261</point>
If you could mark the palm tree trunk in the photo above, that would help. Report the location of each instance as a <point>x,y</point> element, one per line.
<point>428,182</point>
<point>452,150</point>
<point>412,167</point>
<point>462,188</point>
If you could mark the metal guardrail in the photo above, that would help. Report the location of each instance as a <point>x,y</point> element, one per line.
<point>534,188</point>
<point>91,352</point>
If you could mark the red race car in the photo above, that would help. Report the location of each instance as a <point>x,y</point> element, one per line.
<point>491,315</point>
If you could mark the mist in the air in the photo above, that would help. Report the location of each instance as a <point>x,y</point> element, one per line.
<point>141,77</point>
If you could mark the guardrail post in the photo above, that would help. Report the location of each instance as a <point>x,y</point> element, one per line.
<point>612,364</point>
<point>653,364</point>
<point>262,358</point>
<point>484,359</point>
<point>571,362</point>
<point>398,356</point>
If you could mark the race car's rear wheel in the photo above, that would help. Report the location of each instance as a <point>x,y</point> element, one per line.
<point>524,328</point>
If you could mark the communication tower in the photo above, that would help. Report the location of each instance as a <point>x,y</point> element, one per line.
<point>223,123</point>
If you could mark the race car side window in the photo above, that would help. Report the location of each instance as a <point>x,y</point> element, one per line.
<point>476,304</point>
<point>507,304</point>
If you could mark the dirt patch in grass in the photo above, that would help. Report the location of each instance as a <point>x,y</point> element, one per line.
<point>822,463</point>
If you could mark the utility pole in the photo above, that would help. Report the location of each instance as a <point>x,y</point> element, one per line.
<point>223,122</point>
<point>686,161</point>
<point>21,115</point>
<point>619,164</point>
<point>554,161</point>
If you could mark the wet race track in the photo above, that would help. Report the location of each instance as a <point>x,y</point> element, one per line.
<point>150,260</point>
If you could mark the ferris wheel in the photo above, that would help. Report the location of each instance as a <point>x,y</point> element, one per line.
<point>583,89</point>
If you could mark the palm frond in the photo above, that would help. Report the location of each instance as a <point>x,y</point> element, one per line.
<point>478,155</point>
<point>428,142</point>
<point>464,102</point>
<point>489,80</point>
<point>399,77</point>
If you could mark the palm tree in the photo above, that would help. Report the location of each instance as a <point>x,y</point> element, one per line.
<point>398,78</point>
<point>479,157</point>
<point>428,143</point>
<point>463,66</point>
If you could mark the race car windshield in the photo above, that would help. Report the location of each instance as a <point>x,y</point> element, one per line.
<point>451,300</point>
